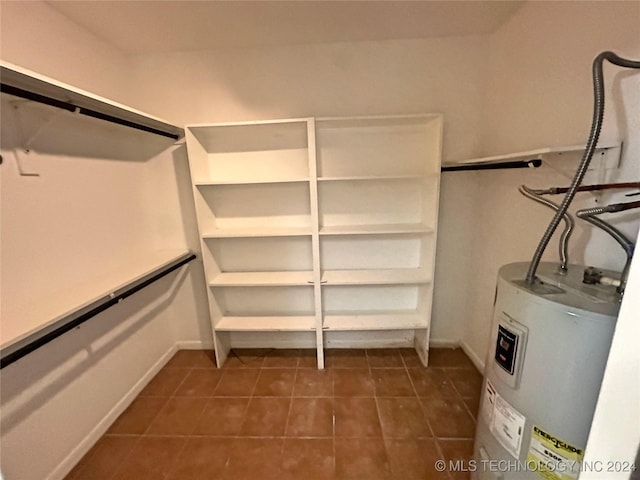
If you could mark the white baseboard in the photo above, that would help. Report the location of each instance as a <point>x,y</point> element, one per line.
<point>194,345</point>
<point>71,460</point>
<point>442,343</point>
<point>477,361</point>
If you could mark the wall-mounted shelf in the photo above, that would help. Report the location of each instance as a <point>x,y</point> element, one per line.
<point>605,156</point>
<point>29,85</point>
<point>42,322</point>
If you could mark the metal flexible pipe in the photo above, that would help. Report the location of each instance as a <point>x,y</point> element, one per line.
<point>568,224</point>
<point>627,245</point>
<point>594,134</point>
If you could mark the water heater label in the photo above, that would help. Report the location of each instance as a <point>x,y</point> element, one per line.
<point>507,426</point>
<point>553,458</point>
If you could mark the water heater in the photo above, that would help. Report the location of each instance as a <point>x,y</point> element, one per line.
<point>548,350</point>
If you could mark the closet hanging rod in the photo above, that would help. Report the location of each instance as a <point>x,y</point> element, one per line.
<point>533,163</point>
<point>53,102</point>
<point>11,354</point>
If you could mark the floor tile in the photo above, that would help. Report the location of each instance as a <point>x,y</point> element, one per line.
<point>151,458</point>
<point>272,415</point>
<point>166,382</point>
<point>430,382</point>
<point>222,416</point>
<point>347,357</point>
<point>179,416</point>
<point>313,383</point>
<point>391,382</point>
<point>282,358</point>
<point>353,382</point>
<point>138,416</point>
<point>458,452</point>
<point>414,459</point>
<point>308,358</point>
<point>275,382</point>
<point>308,459</point>
<point>105,458</point>
<point>199,383</point>
<point>467,381</point>
<point>473,404</point>
<point>246,358</point>
<point>449,357</point>
<point>193,359</point>
<point>384,357</point>
<point>255,458</point>
<point>310,417</point>
<point>448,417</point>
<point>402,417</point>
<point>356,417</point>
<point>202,458</point>
<point>410,357</point>
<point>266,417</point>
<point>361,458</point>
<point>237,382</point>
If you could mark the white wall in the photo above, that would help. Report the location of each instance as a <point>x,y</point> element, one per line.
<point>367,78</point>
<point>37,37</point>
<point>539,94</point>
<point>106,195</point>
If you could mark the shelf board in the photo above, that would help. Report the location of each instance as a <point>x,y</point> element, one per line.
<point>375,321</point>
<point>65,96</point>
<point>610,154</point>
<point>256,279</point>
<point>390,228</point>
<point>258,232</point>
<point>266,323</point>
<point>371,178</point>
<point>27,322</point>
<point>399,276</point>
<point>212,183</point>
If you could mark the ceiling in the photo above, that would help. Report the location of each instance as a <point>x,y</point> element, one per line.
<point>151,26</point>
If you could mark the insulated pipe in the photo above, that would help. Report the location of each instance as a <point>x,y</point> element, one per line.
<point>596,126</point>
<point>568,224</point>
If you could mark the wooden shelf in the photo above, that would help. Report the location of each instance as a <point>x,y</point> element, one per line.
<point>258,232</point>
<point>65,96</point>
<point>255,279</point>
<point>213,183</point>
<point>41,317</point>
<point>374,321</point>
<point>371,178</point>
<point>608,155</point>
<point>399,276</point>
<point>266,323</point>
<point>383,229</point>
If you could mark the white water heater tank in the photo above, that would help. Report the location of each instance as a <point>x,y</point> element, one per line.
<point>545,364</point>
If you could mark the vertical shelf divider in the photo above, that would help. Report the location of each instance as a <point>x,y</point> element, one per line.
<point>315,239</point>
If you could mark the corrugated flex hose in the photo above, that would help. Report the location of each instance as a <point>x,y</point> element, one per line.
<point>596,126</point>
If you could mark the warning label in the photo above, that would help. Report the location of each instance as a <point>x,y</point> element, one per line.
<point>507,425</point>
<point>553,458</point>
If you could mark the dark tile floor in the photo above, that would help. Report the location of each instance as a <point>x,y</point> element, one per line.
<point>270,414</point>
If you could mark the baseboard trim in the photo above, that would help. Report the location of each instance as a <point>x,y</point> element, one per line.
<point>472,355</point>
<point>71,460</point>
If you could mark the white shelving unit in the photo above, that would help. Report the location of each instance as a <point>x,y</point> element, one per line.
<point>319,226</point>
